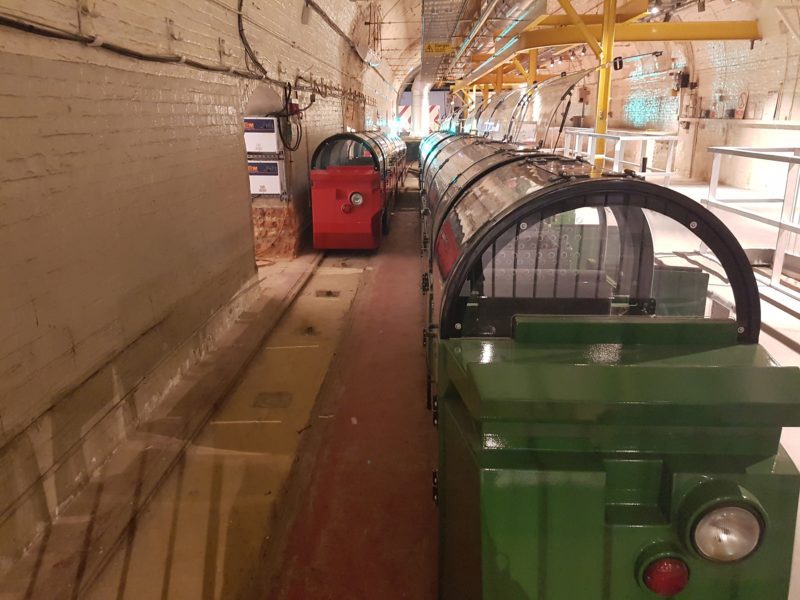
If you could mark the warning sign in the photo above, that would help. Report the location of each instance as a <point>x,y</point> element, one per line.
<point>438,48</point>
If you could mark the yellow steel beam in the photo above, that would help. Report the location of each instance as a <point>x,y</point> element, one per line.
<point>479,57</point>
<point>462,94</point>
<point>634,6</point>
<point>562,20</point>
<point>533,65</point>
<point>491,81</point>
<point>644,32</point>
<point>534,23</point>
<point>604,83</point>
<point>518,66</point>
<point>577,22</point>
<point>635,9</point>
<point>625,32</point>
<point>632,11</point>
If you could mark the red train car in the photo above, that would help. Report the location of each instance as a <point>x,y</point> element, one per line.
<point>355,178</point>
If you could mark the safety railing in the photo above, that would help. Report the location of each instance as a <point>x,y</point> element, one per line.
<point>787,225</point>
<point>582,142</point>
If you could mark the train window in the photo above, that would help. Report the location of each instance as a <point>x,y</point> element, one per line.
<point>344,152</point>
<point>604,260</point>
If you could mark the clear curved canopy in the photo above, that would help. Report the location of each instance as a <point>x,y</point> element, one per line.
<point>531,115</point>
<point>450,170</point>
<point>538,115</point>
<point>518,242</point>
<point>491,123</point>
<point>427,145</point>
<point>359,149</point>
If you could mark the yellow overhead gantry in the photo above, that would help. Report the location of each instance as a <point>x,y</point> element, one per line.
<point>598,31</point>
<point>609,34</point>
<point>624,32</point>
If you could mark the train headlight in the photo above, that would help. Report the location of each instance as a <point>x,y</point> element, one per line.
<point>356,199</point>
<point>727,533</point>
<point>721,521</point>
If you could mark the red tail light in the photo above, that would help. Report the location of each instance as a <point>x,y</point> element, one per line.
<point>666,576</point>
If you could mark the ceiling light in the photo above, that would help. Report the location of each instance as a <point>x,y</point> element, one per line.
<point>655,7</point>
<point>583,51</point>
<point>572,55</point>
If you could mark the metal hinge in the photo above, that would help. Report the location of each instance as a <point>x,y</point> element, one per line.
<point>435,411</point>
<point>435,485</point>
<point>429,333</point>
<point>426,283</point>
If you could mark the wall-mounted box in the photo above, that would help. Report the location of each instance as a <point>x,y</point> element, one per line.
<point>261,135</point>
<point>267,177</point>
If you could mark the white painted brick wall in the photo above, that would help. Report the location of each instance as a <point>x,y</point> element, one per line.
<point>124,207</point>
<point>641,96</point>
<point>724,70</point>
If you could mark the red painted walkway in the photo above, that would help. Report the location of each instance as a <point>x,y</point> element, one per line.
<point>366,528</point>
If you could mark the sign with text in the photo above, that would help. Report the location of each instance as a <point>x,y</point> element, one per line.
<point>438,48</point>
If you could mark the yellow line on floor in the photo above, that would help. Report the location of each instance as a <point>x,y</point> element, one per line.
<point>290,347</point>
<point>246,422</point>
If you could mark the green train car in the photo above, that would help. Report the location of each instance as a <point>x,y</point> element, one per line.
<point>609,425</point>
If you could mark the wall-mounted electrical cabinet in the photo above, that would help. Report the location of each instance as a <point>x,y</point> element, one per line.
<point>261,135</point>
<point>267,177</point>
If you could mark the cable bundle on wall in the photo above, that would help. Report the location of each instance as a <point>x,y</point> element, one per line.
<point>258,73</point>
<point>98,42</point>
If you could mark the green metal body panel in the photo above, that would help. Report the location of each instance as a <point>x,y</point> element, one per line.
<point>570,455</point>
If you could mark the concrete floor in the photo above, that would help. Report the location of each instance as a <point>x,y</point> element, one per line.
<point>76,546</point>
<point>366,525</point>
<point>210,531</point>
<point>201,535</point>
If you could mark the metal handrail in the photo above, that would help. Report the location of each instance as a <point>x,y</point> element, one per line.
<point>789,223</point>
<point>580,135</point>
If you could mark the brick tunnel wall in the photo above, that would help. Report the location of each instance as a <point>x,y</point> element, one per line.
<point>125,217</point>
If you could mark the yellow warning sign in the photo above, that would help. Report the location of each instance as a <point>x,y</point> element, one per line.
<point>438,48</point>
